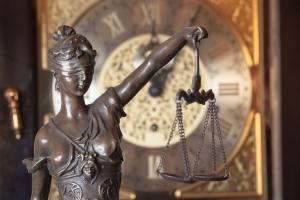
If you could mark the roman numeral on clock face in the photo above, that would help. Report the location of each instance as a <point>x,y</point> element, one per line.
<point>151,13</point>
<point>229,89</point>
<point>153,162</point>
<point>114,23</point>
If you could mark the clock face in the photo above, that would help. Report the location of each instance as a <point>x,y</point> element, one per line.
<point>121,32</point>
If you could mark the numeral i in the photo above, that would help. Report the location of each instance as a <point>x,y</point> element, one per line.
<point>153,162</point>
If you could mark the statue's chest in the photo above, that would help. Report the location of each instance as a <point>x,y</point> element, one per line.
<point>64,154</point>
<point>86,174</point>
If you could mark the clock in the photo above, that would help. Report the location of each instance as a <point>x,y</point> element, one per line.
<point>123,33</point>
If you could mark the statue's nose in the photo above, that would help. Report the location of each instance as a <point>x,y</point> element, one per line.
<point>82,77</point>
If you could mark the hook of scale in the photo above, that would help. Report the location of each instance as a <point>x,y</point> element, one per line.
<point>191,96</point>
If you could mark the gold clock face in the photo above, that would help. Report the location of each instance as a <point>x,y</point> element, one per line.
<point>118,30</point>
<point>149,125</point>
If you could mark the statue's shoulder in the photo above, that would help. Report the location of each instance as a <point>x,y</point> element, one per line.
<point>42,138</point>
<point>43,132</point>
<point>40,151</point>
<point>111,101</point>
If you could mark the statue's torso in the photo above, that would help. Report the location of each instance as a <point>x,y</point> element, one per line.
<point>87,167</point>
<point>94,174</point>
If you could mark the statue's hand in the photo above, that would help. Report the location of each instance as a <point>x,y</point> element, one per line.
<point>190,33</point>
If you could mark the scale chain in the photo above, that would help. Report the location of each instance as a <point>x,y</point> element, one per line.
<point>196,162</point>
<point>186,161</point>
<point>164,154</point>
<point>215,113</point>
<point>211,115</point>
<point>178,119</point>
<point>213,144</point>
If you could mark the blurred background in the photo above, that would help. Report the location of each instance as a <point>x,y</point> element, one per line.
<point>250,60</point>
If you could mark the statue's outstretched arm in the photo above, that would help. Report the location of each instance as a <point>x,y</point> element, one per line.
<point>158,58</point>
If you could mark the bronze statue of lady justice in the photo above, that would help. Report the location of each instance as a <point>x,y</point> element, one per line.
<point>80,146</point>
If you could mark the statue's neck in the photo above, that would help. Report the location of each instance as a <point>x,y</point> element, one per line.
<point>72,107</point>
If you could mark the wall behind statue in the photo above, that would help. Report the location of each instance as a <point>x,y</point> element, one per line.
<point>290,83</point>
<point>17,66</point>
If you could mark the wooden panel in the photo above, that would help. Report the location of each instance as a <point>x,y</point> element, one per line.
<point>17,62</point>
<point>290,71</point>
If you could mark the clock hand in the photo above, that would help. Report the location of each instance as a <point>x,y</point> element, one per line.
<point>158,81</point>
<point>145,50</point>
<point>193,17</point>
<point>154,39</point>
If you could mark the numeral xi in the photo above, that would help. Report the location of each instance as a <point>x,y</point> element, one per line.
<point>114,23</point>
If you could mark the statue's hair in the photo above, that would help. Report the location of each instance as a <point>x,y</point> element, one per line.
<point>69,48</point>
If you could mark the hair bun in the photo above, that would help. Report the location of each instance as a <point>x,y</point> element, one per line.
<point>63,32</point>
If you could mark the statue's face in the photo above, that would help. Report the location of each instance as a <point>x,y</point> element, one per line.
<point>77,81</point>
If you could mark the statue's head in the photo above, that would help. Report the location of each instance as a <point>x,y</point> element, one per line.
<point>72,61</point>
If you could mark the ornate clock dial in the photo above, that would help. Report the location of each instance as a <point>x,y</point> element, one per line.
<point>152,129</point>
<point>117,29</point>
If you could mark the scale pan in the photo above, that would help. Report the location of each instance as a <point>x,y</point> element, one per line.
<point>210,177</point>
<point>177,178</point>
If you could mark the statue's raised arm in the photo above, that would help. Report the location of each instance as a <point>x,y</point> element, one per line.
<point>158,58</point>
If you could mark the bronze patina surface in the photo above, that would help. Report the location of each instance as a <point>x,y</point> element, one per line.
<point>80,146</point>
